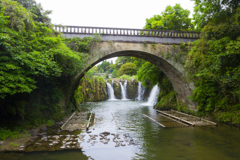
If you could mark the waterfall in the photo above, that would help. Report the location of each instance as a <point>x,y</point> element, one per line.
<point>110,91</point>
<point>141,91</point>
<point>123,90</point>
<point>152,100</point>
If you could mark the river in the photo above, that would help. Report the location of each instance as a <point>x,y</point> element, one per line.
<point>151,141</point>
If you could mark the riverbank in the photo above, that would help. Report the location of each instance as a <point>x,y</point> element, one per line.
<point>29,138</point>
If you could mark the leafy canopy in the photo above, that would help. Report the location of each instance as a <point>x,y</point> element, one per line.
<point>27,49</point>
<point>172,18</point>
<point>128,69</point>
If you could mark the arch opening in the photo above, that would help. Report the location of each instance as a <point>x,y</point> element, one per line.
<point>173,73</point>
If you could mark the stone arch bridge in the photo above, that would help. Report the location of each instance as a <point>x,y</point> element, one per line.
<point>161,48</point>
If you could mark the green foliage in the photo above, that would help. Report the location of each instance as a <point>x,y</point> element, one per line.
<point>79,45</point>
<point>13,145</point>
<point>5,133</point>
<point>88,115</point>
<point>50,123</point>
<point>127,77</point>
<point>176,58</point>
<point>213,62</point>
<point>166,101</point>
<point>90,88</point>
<point>128,68</point>
<point>167,55</point>
<point>115,73</point>
<point>103,67</point>
<point>229,117</point>
<point>172,18</point>
<point>28,49</point>
<point>106,75</point>
<point>214,11</point>
<point>36,9</point>
<point>92,71</point>
<point>154,45</point>
<point>145,43</point>
<point>149,73</point>
<point>174,47</point>
<point>34,58</point>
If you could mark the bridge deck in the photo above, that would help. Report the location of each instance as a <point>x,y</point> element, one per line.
<point>129,35</point>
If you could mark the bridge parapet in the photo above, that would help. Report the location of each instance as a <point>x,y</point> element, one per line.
<point>126,32</point>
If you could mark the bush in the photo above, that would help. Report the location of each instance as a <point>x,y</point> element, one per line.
<point>127,77</point>
<point>4,134</point>
<point>128,68</point>
<point>50,123</point>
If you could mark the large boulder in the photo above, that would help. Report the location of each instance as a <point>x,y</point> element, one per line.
<point>117,89</point>
<point>43,129</point>
<point>33,133</point>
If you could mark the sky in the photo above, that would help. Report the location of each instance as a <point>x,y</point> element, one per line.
<point>108,13</point>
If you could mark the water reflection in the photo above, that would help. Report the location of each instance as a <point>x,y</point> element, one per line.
<point>151,140</point>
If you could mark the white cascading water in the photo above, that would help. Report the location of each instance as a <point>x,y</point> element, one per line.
<point>141,91</point>
<point>110,92</point>
<point>152,100</point>
<point>123,90</point>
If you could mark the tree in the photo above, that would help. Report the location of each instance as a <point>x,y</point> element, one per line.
<point>215,11</point>
<point>28,49</point>
<point>128,69</point>
<point>36,9</point>
<point>172,18</point>
<point>122,60</point>
<point>103,66</point>
<point>213,61</point>
<point>149,73</point>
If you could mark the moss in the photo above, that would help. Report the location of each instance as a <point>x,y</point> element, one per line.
<point>168,55</point>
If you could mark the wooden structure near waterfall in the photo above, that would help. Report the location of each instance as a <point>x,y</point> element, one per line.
<point>186,118</point>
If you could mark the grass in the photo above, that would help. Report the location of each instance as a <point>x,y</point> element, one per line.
<point>13,145</point>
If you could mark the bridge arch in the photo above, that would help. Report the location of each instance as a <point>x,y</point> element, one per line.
<point>164,56</point>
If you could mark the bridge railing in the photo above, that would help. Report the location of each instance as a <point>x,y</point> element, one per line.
<point>126,32</point>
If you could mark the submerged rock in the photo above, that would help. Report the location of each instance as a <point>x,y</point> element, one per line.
<point>103,134</point>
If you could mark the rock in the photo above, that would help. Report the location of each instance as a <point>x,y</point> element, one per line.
<point>33,133</point>
<point>1,143</point>
<point>42,134</point>
<point>103,134</point>
<point>43,129</point>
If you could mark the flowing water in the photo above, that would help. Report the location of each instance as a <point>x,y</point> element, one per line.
<point>141,91</point>
<point>124,90</point>
<point>110,91</point>
<point>152,142</point>
<point>152,100</point>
